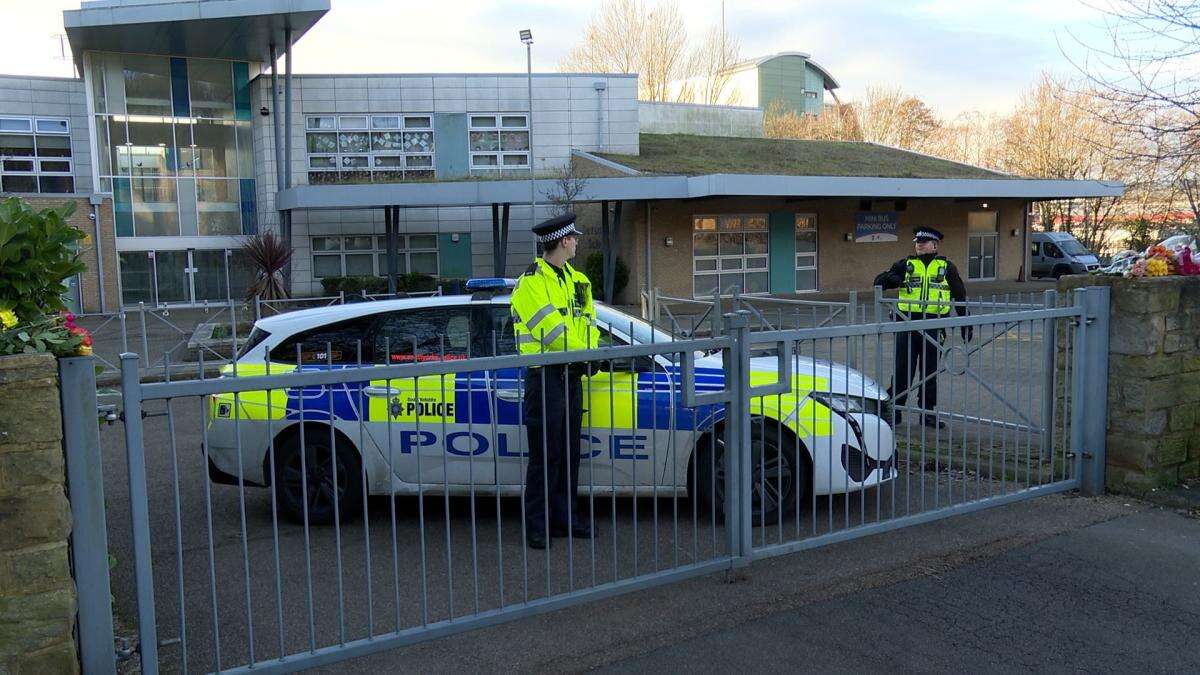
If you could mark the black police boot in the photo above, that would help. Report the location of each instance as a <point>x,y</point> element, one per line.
<point>578,531</point>
<point>536,539</point>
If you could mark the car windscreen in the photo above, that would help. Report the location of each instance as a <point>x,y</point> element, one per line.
<point>256,337</point>
<point>1072,247</point>
<point>641,331</point>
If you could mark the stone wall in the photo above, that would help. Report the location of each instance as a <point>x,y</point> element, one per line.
<point>1153,380</point>
<point>37,594</point>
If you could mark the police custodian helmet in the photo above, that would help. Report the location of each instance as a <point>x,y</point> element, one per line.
<point>556,228</point>
<point>926,234</point>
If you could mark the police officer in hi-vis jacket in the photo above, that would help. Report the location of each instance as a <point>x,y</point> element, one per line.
<point>553,312</point>
<point>928,283</point>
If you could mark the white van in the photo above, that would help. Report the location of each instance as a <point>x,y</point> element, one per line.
<point>1057,253</point>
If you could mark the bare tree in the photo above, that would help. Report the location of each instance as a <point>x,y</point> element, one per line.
<point>1146,69</point>
<point>970,137</point>
<point>626,36</point>
<point>568,186</point>
<point>708,65</point>
<point>889,116</point>
<point>836,122</point>
<point>629,36</point>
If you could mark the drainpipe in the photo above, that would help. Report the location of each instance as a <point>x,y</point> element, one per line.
<point>95,201</point>
<point>600,86</point>
<point>1024,274</point>
<point>287,147</point>
<point>276,122</point>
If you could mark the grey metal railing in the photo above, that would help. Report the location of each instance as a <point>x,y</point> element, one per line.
<point>699,455</point>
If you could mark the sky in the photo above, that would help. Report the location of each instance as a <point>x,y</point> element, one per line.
<point>957,55</point>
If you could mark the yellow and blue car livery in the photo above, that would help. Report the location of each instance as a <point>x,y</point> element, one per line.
<point>463,433</point>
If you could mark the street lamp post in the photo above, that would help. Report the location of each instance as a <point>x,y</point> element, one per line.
<point>527,38</point>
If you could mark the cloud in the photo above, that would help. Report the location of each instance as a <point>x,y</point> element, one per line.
<point>956,55</point>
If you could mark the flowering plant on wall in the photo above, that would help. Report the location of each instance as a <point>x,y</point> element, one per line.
<point>56,334</point>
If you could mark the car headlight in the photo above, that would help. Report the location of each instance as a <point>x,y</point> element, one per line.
<point>844,404</point>
<point>839,402</point>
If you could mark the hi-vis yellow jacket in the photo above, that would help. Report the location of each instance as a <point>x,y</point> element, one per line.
<point>925,289</point>
<point>553,313</point>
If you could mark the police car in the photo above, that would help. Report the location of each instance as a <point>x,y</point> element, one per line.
<point>463,434</point>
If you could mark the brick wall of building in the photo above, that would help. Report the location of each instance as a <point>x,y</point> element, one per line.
<point>90,279</point>
<point>842,265</point>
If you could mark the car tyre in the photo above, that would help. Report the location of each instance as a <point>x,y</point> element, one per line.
<point>776,473</point>
<point>318,468</point>
<point>1061,270</point>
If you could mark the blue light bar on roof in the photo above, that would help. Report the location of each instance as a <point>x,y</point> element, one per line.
<point>490,284</point>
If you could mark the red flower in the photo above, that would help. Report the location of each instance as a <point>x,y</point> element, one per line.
<point>87,340</point>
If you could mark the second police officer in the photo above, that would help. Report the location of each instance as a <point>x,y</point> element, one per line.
<point>553,312</point>
<point>928,283</point>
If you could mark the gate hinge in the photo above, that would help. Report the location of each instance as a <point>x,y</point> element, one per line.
<point>123,651</point>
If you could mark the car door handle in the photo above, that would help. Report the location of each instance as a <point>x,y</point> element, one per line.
<point>380,391</point>
<point>511,395</point>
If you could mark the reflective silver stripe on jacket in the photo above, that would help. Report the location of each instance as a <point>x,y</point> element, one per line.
<point>553,335</point>
<point>539,315</point>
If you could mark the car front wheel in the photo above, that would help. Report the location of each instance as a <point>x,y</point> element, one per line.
<point>326,484</point>
<point>778,472</point>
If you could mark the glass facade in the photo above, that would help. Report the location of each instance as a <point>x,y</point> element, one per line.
<point>173,142</point>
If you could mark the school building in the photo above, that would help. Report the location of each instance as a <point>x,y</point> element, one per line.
<point>187,131</point>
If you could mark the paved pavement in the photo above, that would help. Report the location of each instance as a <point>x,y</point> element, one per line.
<point>1055,584</point>
<point>1118,596</point>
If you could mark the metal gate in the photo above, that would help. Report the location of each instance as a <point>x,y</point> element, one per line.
<point>219,574</point>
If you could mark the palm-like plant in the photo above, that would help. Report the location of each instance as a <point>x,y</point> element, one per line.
<point>269,255</point>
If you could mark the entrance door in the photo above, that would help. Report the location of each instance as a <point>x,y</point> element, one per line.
<point>982,239</point>
<point>806,252</point>
<point>183,277</point>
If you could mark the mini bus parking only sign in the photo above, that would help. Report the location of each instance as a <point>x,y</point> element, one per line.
<point>875,226</point>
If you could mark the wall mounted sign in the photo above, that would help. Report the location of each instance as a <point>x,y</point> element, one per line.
<point>875,226</point>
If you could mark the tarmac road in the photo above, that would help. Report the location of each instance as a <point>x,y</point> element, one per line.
<point>236,591</point>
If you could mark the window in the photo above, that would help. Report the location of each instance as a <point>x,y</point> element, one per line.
<point>35,155</point>
<point>499,338</point>
<point>434,334</point>
<point>499,144</point>
<point>337,342</point>
<point>729,251</point>
<point>366,255</point>
<point>369,148</point>
<point>806,252</point>
<point>810,94</point>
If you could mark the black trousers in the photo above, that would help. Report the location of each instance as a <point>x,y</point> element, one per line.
<point>916,353</point>
<point>553,409</point>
